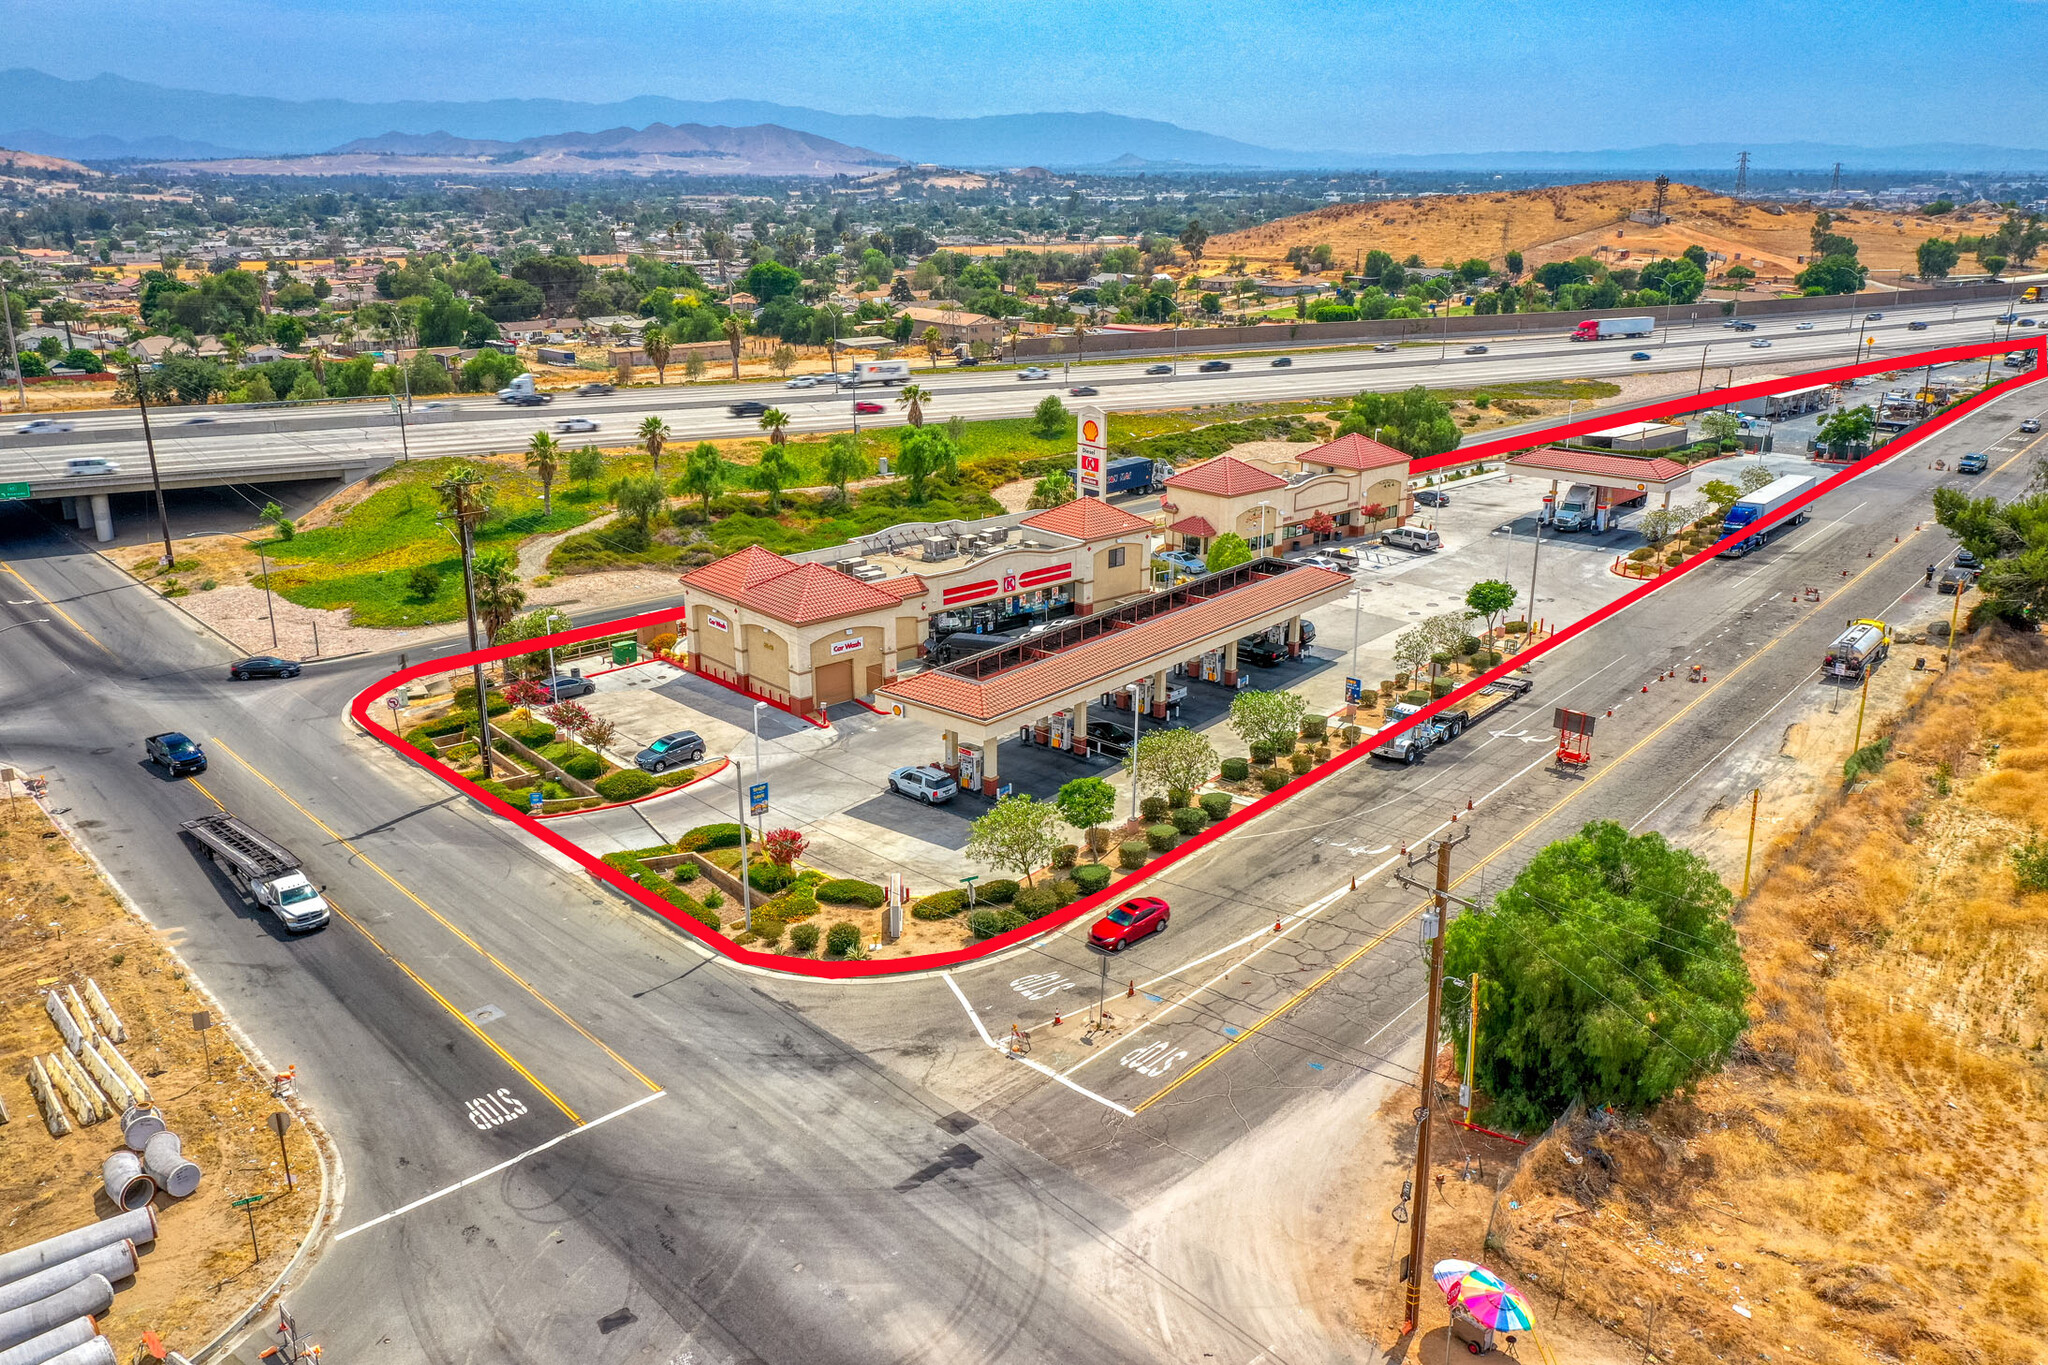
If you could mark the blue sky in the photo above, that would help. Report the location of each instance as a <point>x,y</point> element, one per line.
<point>1354,75</point>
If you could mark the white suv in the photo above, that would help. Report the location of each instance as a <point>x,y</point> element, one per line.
<point>929,785</point>
<point>1415,539</point>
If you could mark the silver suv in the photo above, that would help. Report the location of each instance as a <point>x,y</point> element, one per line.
<point>929,785</point>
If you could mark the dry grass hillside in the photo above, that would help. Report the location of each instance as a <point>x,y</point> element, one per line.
<point>1579,220</point>
<point>1865,1181</point>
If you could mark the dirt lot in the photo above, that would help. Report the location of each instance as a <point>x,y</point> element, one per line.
<point>1863,1181</point>
<point>59,925</point>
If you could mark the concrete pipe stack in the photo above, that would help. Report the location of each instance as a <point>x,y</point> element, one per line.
<point>126,1183</point>
<point>86,1298</point>
<point>138,1227</point>
<point>140,1123</point>
<point>116,1262</point>
<point>165,1160</point>
<point>50,1291</point>
<point>77,1334</point>
<point>98,1351</point>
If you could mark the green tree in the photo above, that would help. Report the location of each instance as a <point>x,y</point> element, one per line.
<point>693,366</point>
<point>426,375</point>
<point>638,498</point>
<point>544,458</point>
<point>922,453</point>
<point>1049,420</point>
<point>1017,833</point>
<point>1085,803</point>
<point>1850,426</point>
<point>1835,274</point>
<point>735,338</point>
<point>783,358</point>
<point>1935,257</point>
<point>306,388</point>
<point>914,398</point>
<point>1272,718</point>
<point>1194,239</point>
<point>773,472</point>
<point>653,433</point>
<point>774,422</point>
<point>1610,972</point>
<point>1170,760</point>
<point>1659,524</point>
<point>498,594</point>
<point>1415,422</point>
<point>843,462</point>
<point>279,522</point>
<point>586,466</point>
<point>1227,551</point>
<point>1755,476</point>
<point>1994,263</point>
<point>1491,598</point>
<point>1720,495</point>
<point>1513,261</point>
<point>1721,427</point>
<point>705,474</point>
<point>1052,490</point>
<point>2012,540</point>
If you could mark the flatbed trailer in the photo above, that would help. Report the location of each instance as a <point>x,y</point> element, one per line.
<point>1445,726</point>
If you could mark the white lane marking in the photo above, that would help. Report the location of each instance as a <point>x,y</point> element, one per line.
<point>1039,1067</point>
<point>503,1165</point>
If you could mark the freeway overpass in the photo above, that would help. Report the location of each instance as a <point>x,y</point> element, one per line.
<point>225,446</point>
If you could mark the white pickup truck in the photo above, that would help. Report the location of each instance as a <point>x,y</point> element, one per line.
<point>268,872</point>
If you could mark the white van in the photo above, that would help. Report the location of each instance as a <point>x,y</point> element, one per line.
<point>91,464</point>
<point>1414,539</point>
<point>1575,511</point>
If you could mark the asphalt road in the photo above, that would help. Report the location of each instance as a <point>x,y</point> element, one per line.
<point>747,1168</point>
<point>250,446</point>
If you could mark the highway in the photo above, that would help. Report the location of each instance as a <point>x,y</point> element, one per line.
<point>229,444</point>
<point>750,1168</point>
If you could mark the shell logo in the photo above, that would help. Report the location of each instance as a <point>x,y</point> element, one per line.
<point>1091,432</point>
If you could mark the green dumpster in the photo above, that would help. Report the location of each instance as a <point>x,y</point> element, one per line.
<point>625,653</point>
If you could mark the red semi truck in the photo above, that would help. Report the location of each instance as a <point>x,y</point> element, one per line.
<point>1599,329</point>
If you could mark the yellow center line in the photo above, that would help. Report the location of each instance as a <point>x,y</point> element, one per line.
<point>439,918</point>
<point>421,982</point>
<point>53,606</point>
<point>1520,834</point>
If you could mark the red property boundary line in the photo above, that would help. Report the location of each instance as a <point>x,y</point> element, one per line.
<point>361,707</point>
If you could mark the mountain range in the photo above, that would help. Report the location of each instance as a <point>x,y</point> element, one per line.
<point>109,117</point>
<point>688,149</point>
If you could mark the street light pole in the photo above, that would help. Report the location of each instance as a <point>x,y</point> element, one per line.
<point>739,783</point>
<point>759,827</point>
<point>1529,612</point>
<point>1137,727</point>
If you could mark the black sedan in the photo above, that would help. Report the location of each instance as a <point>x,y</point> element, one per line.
<point>1282,362</point>
<point>262,666</point>
<point>1213,366</point>
<point>747,407</point>
<point>1109,739</point>
<point>1159,369</point>
<point>1083,391</point>
<point>1430,497</point>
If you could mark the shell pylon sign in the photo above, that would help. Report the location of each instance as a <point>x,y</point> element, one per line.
<point>1091,452</point>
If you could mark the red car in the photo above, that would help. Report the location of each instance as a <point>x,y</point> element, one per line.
<point>867,405</point>
<point>1128,923</point>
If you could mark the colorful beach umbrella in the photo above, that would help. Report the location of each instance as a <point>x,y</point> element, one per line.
<point>1491,1301</point>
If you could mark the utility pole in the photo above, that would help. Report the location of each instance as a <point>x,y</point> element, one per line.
<point>1418,1222</point>
<point>1861,703</point>
<point>1529,612</point>
<point>1755,796</point>
<point>1836,185</point>
<point>13,351</point>
<point>163,516</point>
<point>466,512</point>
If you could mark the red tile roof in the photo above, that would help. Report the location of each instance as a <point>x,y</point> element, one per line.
<point>1193,526</point>
<point>733,575</point>
<point>1616,469</point>
<point>1353,451</point>
<point>1226,476</point>
<point>1117,654</point>
<point>1088,519</point>
<point>796,594</point>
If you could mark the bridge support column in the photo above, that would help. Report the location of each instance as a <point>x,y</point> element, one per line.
<point>81,513</point>
<point>102,518</point>
<point>70,509</point>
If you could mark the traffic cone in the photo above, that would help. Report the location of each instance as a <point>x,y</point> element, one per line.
<point>1276,924</point>
<point>1055,1018</point>
<point>1468,803</point>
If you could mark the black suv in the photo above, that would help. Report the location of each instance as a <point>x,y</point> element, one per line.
<point>748,407</point>
<point>178,754</point>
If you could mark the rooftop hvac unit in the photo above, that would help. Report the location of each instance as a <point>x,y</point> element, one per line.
<point>938,547</point>
<point>995,535</point>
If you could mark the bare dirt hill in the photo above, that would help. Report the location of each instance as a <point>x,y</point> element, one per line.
<point>11,160</point>
<point>1564,221</point>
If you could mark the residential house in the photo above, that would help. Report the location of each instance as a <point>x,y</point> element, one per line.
<point>955,325</point>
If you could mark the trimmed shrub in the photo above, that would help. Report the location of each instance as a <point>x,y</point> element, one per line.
<point>1065,892</point>
<point>1155,808</point>
<point>676,778</point>
<point>1352,734</point>
<point>1314,727</point>
<point>535,735</point>
<point>713,898</point>
<point>803,939</point>
<point>944,905</point>
<point>1101,840</point>
<point>1130,854</point>
<point>706,837</point>
<point>989,923</point>
<point>1177,798</point>
<point>842,938</point>
<point>704,915</point>
<point>1262,754</point>
<point>1236,769</point>
<point>1514,627</point>
<point>769,877</point>
<point>1272,779</point>
<point>1159,838</point>
<point>1301,763</point>
<point>1322,753</point>
<point>1092,878</point>
<point>1034,901</point>
<point>1442,687</point>
<point>1216,805</point>
<point>1189,820</point>
<point>998,892</point>
<point>768,930</point>
<point>1414,698</point>
<point>1066,855</point>
<point>625,784</point>
<point>685,872</point>
<point>586,765</point>
<point>850,891</point>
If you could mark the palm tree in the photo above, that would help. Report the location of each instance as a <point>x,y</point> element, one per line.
<point>933,342</point>
<point>735,337</point>
<point>655,344</point>
<point>544,457</point>
<point>914,398</point>
<point>773,421</point>
<point>654,435</point>
<point>498,594</point>
<point>705,474</point>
